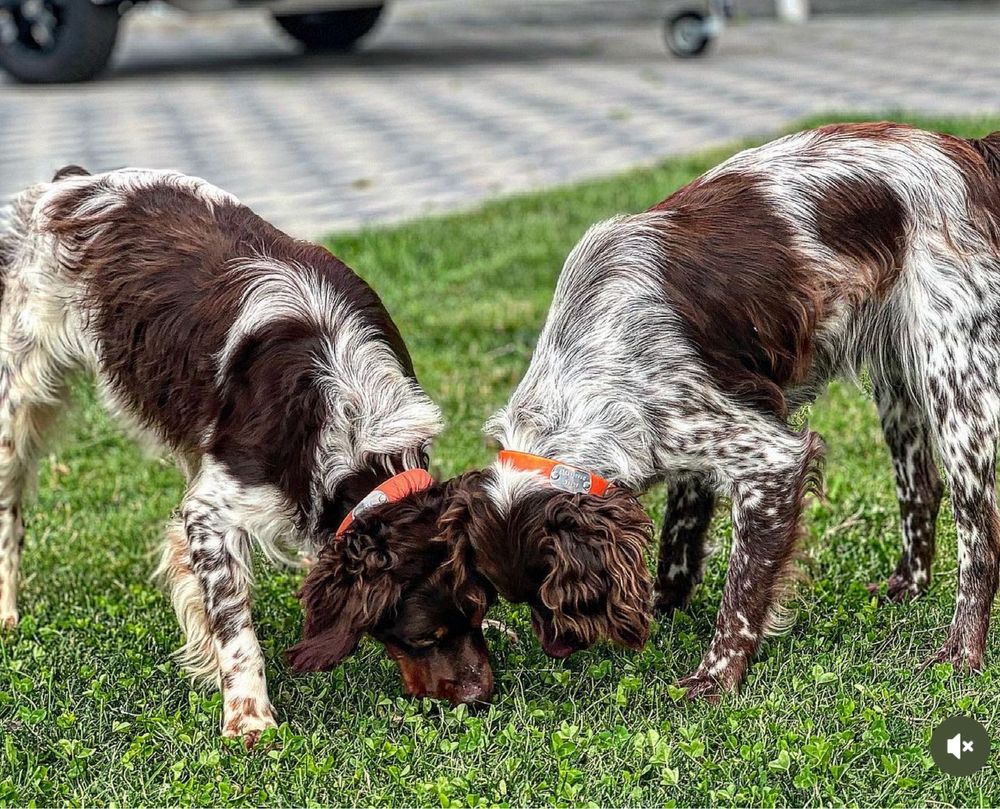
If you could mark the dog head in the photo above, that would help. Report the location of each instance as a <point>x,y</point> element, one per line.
<point>576,559</point>
<point>402,574</point>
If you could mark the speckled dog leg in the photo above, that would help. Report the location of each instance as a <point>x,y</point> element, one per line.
<point>964,407</point>
<point>773,475</point>
<point>689,509</point>
<point>918,488</point>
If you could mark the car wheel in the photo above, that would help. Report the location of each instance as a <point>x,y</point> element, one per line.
<point>331,30</point>
<point>687,34</point>
<point>54,41</point>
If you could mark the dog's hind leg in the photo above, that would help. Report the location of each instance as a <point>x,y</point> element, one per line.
<point>34,359</point>
<point>32,392</point>
<point>30,397</point>
<point>689,509</point>
<point>918,487</point>
<point>964,407</point>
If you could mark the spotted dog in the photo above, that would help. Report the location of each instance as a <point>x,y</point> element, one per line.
<point>276,379</point>
<point>679,341</point>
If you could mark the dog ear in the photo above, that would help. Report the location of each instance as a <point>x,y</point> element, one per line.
<point>462,500</point>
<point>598,584</point>
<point>345,595</point>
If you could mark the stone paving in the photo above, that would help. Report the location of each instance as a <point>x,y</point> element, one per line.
<point>451,102</point>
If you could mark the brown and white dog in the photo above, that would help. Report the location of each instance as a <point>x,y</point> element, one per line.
<point>276,378</point>
<point>679,341</point>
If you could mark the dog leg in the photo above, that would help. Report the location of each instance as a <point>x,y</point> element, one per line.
<point>31,395</point>
<point>219,556</point>
<point>12,478</point>
<point>918,488</point>
<point>22,428</point>
<point>965,421</point>
<point>772,475</point>
<point>689,509</point>
<point>197,656</point>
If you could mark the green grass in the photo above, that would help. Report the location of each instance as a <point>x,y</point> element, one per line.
<point>92,711</point>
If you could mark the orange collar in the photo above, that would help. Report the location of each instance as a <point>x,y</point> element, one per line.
<point>395,488</point>
<point>559,475</point>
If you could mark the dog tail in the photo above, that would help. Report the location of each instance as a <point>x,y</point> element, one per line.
<point>989,149</point>
<point>15,219</point>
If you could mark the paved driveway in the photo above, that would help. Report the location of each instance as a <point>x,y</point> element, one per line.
<point>452,102</point>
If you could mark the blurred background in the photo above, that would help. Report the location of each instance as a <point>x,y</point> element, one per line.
<point>334,119</point>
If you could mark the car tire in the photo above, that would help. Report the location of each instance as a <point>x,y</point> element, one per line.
<point>336,30</point>
<point>42,42</point>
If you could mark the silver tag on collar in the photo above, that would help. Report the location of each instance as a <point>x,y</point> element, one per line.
<point>568,479</point>
<point>372,499</point>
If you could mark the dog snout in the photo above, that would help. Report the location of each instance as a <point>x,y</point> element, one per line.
<point>475,688</point>
<point>459,673</point>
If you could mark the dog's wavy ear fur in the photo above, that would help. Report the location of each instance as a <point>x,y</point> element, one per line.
<point>598,584</point>
<point>463,500</point>
<point>345,595</point>
<point>360,578</point>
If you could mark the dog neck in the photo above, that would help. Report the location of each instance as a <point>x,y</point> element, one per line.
<point>604,436</point>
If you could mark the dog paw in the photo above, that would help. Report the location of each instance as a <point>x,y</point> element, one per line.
<point>669,600</point>
<point>8,620</point>
<point>248,721</point>
<point>701,686</point>
<point>955,653</point>
<point>899,589</point>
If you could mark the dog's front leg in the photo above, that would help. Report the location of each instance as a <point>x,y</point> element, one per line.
<point>768,488</point>
<point>689,509</point>
<point>220,559</point>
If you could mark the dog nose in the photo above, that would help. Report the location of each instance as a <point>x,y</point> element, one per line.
<point>476,689</point>
<point>478,695</point>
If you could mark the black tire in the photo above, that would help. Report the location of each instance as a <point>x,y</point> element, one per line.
<point>81,37</point>
<point>686,34</point>
<point>336,30</point>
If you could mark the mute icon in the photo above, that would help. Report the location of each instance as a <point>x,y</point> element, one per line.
<point>960,746</point>
<point>957,745</point>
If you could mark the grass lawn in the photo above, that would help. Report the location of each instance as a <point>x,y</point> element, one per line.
<point>92,710</point>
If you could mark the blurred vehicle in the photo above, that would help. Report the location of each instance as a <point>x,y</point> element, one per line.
<point>52,41</point>
<point>691,30</point>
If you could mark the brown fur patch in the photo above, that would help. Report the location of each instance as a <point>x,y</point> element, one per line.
<point>401,573</point>
<point>70,171</point>
<point>578,560</point>
<point>750,304</point>
<point>864,222</point>
<point>750,300</point>
<point>160,270</point>
<point>979,161</point>
<point>241,709</point>
<point>870,130</point>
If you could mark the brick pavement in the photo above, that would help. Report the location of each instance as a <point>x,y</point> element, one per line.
<point>451,103</point>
